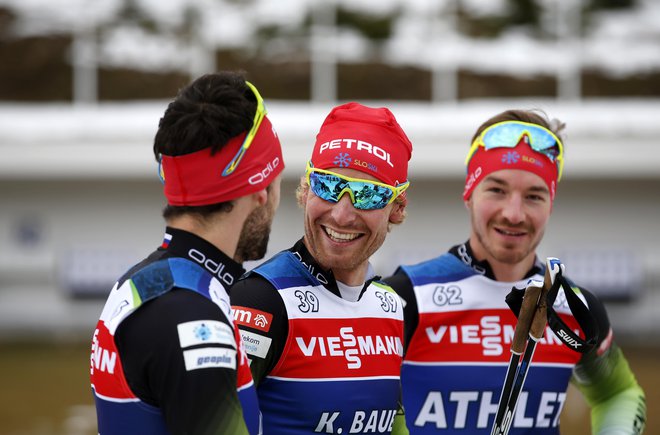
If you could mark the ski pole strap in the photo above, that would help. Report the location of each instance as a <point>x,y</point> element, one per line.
<point>579,310</point>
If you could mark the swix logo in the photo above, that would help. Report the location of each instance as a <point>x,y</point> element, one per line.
<point>101,359</point>
<point>350,346</point>
<point>265,172</point>
<point>357,145</point>
<point>252,318</point>
<point>568,339</point>
<point>210,265</point>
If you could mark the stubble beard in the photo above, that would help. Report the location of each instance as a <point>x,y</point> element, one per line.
<point>507,254</point>
<point>253,241</point>
<point>347,260</point>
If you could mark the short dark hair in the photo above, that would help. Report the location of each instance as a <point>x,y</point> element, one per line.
<point>534,116</point>
<point>205,114</point>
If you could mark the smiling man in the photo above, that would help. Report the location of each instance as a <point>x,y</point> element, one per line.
<point>324,337</point>
<point>458,325</point>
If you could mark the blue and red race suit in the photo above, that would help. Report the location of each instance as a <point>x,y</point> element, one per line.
<point>458,337</point>
<point>166,356</point>
<point>322,363</point>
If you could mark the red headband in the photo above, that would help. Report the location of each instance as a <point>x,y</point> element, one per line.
<point>484,162</point>
<point>363,138</point>
<point>196,179</point>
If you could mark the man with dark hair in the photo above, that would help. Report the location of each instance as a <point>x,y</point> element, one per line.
<point>458,326</point>
<point>166,356</point>
<point>324,336</point>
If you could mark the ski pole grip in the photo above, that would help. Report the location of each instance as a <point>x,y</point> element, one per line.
<point>540,319</point>
<point>527,311</point>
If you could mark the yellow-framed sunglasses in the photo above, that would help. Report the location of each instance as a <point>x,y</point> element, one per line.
<point>507,134</point>
<point>364,194</point>
<point>259,115</point>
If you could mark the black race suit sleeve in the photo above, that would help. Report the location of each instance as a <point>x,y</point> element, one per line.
<point>256,292</point>
<point>404,288</point>
<point>597,310</point>
<point>201,401</point>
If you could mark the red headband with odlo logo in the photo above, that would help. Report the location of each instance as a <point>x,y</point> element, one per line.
<point>367,139</point>
<point>522,156</point>
<point>196,179</point>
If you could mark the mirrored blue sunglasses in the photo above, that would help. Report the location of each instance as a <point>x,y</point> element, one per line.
<point>364,194</point>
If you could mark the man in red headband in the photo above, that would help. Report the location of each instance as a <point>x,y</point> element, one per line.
<point>166,355</point>
<point>458,327</point>
<point>324,336</point>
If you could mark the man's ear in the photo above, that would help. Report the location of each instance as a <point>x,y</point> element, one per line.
<point>261,197</point>
<point>398,213</point>
<point>302,194</point>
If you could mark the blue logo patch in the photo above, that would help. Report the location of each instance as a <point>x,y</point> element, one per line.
<point>342,160</point>
<point>510,158</point>
<point>203,332</point>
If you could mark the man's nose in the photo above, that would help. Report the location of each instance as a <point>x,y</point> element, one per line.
<point>343,211</point>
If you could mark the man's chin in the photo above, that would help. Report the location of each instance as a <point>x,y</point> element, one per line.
<point>510,256</point>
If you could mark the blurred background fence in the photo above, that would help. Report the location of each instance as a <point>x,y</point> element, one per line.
<point>83,84</point>
<point>422,50</point>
